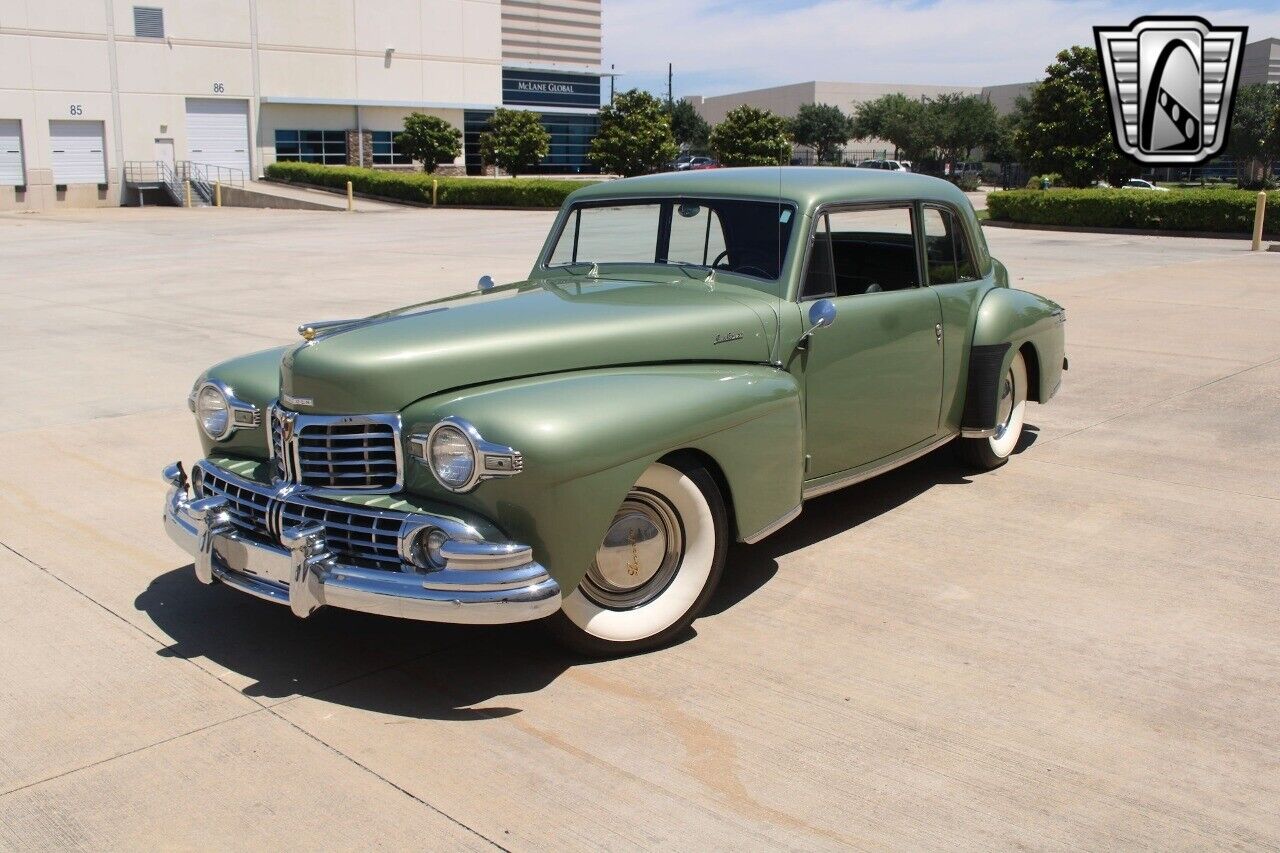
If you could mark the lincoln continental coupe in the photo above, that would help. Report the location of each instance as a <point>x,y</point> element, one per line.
<point>692,357</point>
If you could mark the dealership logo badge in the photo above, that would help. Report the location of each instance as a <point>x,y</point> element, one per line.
<point>1171,81</point>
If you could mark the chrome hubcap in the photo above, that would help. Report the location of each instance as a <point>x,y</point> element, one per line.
<point>639,556</point>
<point>1004,413</point>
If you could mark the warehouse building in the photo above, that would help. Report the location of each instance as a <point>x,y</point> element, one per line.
<point>89,90</point>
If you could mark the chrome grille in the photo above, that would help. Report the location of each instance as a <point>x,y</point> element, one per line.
<point>345,452</point>
<point>363,537</point>
<point>356,535</point>
<point>249,508</point>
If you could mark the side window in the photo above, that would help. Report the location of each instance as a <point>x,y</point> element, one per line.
<point>872,250</point>
<point>818,281</point>
<point>947,253</point>
<point>697,236</point>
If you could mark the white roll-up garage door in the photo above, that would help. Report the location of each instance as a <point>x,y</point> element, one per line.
<point>218,132</point>
<point>11,174</point>
<point>79,157</point>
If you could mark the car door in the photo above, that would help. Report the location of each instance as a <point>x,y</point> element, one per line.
<point>873,380</point>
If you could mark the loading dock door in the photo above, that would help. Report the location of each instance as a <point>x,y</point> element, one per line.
<point>11,174</point>
<point>79,156</point>
<point>218,132</point>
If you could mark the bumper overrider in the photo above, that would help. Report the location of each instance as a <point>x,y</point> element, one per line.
<point>292,562</point>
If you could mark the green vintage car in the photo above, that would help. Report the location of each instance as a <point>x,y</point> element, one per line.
<point>692,356</point>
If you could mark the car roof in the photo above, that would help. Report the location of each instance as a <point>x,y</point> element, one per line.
<point>807,186</point>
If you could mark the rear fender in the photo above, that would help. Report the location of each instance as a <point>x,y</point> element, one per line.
<point>587,436</point>
<point>1007,321</point>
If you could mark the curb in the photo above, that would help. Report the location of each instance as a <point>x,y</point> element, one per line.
<point>1138,232</point>
<point>402,202</point>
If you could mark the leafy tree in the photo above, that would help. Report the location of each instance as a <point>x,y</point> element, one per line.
<point>905,122</point>
<point>751,137</point>
<point>514,140</point>
<point>1254,139</point>
<point>1001,146</point>
<point>690,129</point>
<point>961,123</point>
<point>824,128</point>
<point>429,140</point>
<point>635,135</point>
<point>1067,126</point>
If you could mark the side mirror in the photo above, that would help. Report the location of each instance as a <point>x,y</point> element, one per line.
<point>485,284</point>
<point>821,314</point>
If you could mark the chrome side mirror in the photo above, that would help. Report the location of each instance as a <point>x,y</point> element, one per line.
<point>821,313</point>
<point>485,284</point>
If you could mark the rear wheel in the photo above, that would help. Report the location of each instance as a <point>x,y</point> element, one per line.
<point>657,567</point>
<point>1011,403</point>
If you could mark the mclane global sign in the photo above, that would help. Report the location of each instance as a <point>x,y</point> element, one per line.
<point>543,86</point>
<point>1171,81</point>
<point>550,89</point>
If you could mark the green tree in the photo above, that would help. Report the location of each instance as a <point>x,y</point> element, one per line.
<point>1067,126</point>
<point>824,128</point>
<point>635,135</point>
<point>514,140</point>
<point>751,137</point>
<point>1001,146</point>
<point>903,121</point>
<point>961,123</point>
<point>1254,138</point>
<point>690,129</point>
<point>429,140</point>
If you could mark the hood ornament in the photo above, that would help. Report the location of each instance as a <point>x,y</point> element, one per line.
<point>309,331</point>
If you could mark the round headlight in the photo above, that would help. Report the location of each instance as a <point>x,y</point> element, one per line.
<point>213,412</point>
<point>453,459</point>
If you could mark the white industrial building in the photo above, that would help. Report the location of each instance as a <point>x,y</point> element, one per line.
<point>89,86</point>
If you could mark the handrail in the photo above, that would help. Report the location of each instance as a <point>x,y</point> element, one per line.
<point>209,174</point>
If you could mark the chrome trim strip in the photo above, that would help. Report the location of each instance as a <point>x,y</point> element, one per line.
<point>860,476</point>
<point>775,526</point>
<point>304,575</point>
<point>976,432</point>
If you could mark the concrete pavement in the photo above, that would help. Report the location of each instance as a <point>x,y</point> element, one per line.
<point>1076,651</point>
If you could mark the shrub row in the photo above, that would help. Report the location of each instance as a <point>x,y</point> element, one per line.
<point>1222,210</point>
<point>416,186</point>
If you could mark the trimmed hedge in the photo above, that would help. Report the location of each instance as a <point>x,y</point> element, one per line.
<point>1223,210</point>
<point>416,186</point>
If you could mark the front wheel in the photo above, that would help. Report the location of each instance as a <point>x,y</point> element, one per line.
<point>985,454</point>
<point>658,565</point>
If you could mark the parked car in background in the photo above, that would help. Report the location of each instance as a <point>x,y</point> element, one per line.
<point>885,165</point>
<point>705,163</point>
<point>680,163</point>
<point>906,164</point>
<point>1141,184</point>
<point>696,162</point>
<point>691,357</point>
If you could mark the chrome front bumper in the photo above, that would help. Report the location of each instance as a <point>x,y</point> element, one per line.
<point>482,583</point>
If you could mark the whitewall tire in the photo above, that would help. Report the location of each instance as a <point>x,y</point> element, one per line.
<point>659,563</point>
<point>1011,405</point>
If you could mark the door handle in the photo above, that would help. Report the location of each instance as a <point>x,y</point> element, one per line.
<point>937,328</point>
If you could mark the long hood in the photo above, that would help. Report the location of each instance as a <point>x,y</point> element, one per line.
<point>384,363</point>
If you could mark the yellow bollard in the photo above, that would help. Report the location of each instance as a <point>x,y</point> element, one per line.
<point>1259,215</point>
<point>351,197</point>
<point>435,187</point>
<point>217,193</point>
<point>188,188</point>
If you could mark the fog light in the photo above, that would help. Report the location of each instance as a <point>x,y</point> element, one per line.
<point>422,547</point>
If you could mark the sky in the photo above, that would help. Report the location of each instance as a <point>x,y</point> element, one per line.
<point>721,46</point>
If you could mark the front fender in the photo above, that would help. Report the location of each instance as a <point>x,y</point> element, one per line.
<point>587,436</point>
<point>254,378</point>
<point>1009,320</point>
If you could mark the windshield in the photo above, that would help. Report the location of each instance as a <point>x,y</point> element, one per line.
<point>745,237</point>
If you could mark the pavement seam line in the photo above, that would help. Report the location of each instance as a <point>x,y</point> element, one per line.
<point>1164,400</point>
<point>261,707</point>
<point>129,752</point>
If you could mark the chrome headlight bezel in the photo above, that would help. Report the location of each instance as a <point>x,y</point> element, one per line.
<point>241,414</point>
<point>488,460</point>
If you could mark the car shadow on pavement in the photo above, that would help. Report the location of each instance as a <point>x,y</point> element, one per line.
<point>450,672</point>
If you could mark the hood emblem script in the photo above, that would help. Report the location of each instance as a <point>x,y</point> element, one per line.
<point>728,336</point>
